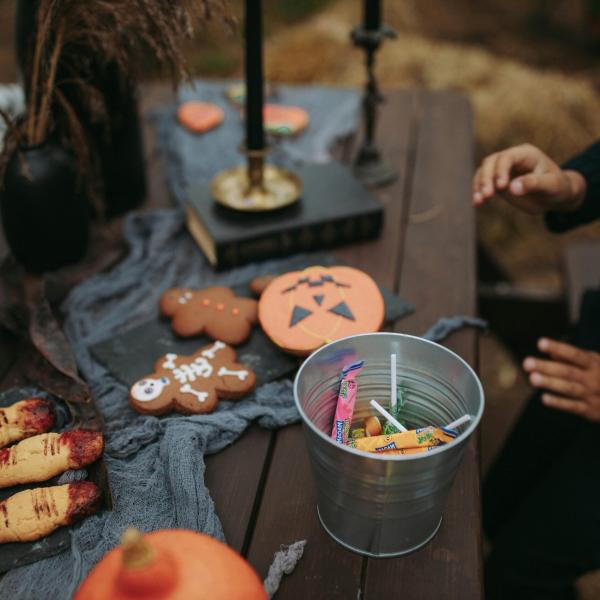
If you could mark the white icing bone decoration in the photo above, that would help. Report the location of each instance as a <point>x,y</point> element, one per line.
<point>210,352</point>
<point>170,362</point>
<point>191,371</point>
<point>188,389</point>
<point>241,375</point>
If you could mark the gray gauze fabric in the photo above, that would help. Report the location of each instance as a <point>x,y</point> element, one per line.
<point>156,465</point>
<point>284,562</point>
<point>190,158</point>
<point>447,325</point>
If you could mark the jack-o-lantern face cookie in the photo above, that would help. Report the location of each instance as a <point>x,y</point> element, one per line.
<point>303,310</point>
<point>215,311</point>
<point>192,384</point>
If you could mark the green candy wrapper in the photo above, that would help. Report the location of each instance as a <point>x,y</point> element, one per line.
<point>388,428</point>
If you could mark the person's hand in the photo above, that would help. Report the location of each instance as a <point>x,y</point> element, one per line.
<point>571,378</point>
<point>528,179</point>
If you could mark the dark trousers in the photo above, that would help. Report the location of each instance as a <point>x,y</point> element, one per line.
<point>541,497</point>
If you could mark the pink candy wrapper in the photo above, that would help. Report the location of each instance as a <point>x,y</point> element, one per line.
<point>345,403</point>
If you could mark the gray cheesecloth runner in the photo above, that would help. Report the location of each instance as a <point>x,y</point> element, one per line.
<point>156,465</point>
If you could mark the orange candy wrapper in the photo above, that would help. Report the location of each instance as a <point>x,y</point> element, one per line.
<point>407,442</point>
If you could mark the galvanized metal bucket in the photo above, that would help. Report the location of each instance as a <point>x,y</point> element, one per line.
<point>372,504</point>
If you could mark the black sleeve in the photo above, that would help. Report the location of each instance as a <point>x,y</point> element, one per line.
<point>588,164</point>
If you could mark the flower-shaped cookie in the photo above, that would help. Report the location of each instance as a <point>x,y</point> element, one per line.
<point>192,384</point>
<point>215,311</point>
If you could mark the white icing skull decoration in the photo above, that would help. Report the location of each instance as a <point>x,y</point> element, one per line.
<point>149,389</point>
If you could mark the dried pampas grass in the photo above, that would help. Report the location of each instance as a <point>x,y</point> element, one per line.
<point>72,38</point>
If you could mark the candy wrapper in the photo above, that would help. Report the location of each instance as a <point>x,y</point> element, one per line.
<point>388,428</point>
<point>419,439</point>
<point>340,431</point>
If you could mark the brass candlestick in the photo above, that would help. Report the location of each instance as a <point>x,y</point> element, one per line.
<point>369,166</point>
<point>256,186</point>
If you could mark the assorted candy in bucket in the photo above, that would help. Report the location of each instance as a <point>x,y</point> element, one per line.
<point>392,437</point>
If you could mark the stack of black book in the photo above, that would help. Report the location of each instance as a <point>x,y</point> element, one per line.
<point>334,209</point>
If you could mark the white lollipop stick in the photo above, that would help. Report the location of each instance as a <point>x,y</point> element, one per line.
<point>387,415</point>
<point>393,397</point>
<point>464,419</point>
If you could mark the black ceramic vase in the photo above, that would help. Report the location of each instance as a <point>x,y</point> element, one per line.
<point>43,207</point>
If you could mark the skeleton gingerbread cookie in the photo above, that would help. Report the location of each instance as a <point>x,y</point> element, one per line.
<point>215,311</point>
<point>192,384</point>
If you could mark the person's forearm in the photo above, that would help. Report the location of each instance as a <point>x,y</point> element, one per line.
<point>583,172</point>
<point>578,186</point>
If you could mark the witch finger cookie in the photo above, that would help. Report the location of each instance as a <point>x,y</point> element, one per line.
<point>192,384</point>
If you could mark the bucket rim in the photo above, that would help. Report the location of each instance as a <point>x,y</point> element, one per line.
<point>461,437</point>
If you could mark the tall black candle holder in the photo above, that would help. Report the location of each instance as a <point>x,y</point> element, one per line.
<point>255,186</point>
<point>369,166</point>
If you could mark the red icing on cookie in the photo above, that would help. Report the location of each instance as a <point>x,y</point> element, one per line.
<point>39,415</point>
<point>303,310</point>
<point>84,499</point>
<point>84,446</point>
<point>4,455</point>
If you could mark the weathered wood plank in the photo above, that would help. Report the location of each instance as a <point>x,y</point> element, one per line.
<point>438,276</point>
<point>288,509</point>
<point>233,477</point>
<point>396,138</point>
<point>288,514</point>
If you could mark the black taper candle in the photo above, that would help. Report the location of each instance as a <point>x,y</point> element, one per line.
<point>372,14</point>
<point>254,76</point>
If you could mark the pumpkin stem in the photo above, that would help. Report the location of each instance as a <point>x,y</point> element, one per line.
<point>136,551</point>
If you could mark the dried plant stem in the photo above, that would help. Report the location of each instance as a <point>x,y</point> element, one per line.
<point>44,112</point>
<point>77,131</point>
<point>43,21</point>
<point>12,128</point>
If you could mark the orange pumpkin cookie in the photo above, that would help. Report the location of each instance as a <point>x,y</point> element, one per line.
<point>215,311</point>
<point>303,310</point>
<point>192,384</point>
<point>199,116</point>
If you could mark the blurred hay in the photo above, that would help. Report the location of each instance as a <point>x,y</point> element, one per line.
<point>513,103</point>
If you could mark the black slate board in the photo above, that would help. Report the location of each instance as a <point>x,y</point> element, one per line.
<point>131,355</point>
<point>17,554</point>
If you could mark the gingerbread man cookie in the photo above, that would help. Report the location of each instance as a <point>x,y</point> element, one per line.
<point>215,311</point>
<point>192,384</point>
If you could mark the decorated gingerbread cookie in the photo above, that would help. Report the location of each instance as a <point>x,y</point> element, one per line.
<point>192,384</point>
<point>303,310</point>
<point>215,311</point>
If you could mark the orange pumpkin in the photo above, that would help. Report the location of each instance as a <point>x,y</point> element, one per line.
<point>303,310</point>
<point>171,565</point>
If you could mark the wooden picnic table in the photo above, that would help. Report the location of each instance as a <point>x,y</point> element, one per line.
<point>262,485</point>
